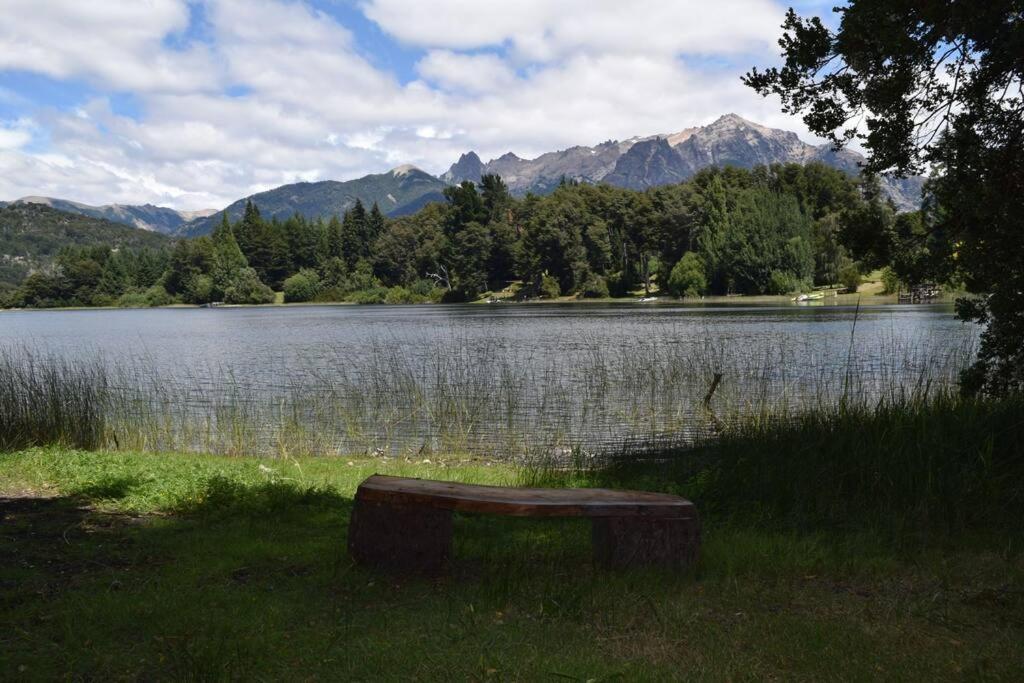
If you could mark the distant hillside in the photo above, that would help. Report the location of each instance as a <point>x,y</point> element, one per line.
<point>640,163</point>
<point>400,191</point>
<point>146,216</point>
<point>31,236</point>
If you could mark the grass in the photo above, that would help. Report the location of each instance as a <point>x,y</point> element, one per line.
<point>126,566</point>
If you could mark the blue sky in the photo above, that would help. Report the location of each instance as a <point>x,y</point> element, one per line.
<point>194,103</point>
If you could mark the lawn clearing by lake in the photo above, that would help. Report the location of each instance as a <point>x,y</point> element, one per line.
<point>144,566</point>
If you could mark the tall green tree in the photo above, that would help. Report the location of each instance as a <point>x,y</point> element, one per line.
<point>227,257</point>
<point>937,84</point>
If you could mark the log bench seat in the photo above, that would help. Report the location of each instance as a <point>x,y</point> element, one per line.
<point>404,524</point>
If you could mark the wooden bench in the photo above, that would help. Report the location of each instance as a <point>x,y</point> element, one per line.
<point>405,524</point>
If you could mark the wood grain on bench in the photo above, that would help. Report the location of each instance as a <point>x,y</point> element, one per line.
<point>523,502</point>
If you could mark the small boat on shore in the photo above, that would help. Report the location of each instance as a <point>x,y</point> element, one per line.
<point>813,296</point>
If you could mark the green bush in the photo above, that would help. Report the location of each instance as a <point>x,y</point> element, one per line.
<point>549,288</point>
<point>158,296</point>
<point>199,289</point>
<point>330,295</point>
<point>247,288</point>
<point>361,279</point>
<point>399,295</point>
<point>303,286</point>
<point>618,285</point>
<point>374,295</point>
<point>849,277</point>
<point>687,276</point>
<point>427,289</point>
<point>783,282</point>
<point>594,287</point>
<point>133,298</point>
<point>890,281</point>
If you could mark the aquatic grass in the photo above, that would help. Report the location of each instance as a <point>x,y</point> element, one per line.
<point>482,398</point>
<point>45,400</point>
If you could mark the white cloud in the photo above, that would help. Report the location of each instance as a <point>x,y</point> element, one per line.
<point>314,107</point>
<point>543,30</point>
<point>117,44</point>
<point>473,73</point>
<point>15,134</point>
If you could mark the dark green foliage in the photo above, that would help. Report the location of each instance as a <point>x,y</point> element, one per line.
<point>553,241</point>
<point>32,236</point>
<point>549,288</point>
<point>594,287</point>
<point>890,281</point>
<point>471,251</point>
<point>849,277</point>
<point>767,230</point>
<point>766,233</point>
<point>687,276</point>
<point>936,84</point>
<point>303,286</point>
<point>227,258</point>
<point>246,288</point>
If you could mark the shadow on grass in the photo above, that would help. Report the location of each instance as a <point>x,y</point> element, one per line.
<point>212,589</point>
<point>247,581</point>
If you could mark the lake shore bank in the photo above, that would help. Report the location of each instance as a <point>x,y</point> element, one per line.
<point>871,292</point>
<point>655,299</point>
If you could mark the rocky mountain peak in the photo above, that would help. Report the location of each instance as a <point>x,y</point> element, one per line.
<point>468,167</point>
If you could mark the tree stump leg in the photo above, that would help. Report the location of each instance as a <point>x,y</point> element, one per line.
<point>400,538</point>
<point>621,542</point>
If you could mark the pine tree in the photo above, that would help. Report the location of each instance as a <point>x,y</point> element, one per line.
<point>375,223</point>
<point>227,256</point>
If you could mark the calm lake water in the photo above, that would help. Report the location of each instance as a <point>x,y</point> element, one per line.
<point>494,378</point>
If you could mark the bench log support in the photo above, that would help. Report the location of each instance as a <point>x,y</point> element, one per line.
<point>400,538</point>
<point>637,541</point>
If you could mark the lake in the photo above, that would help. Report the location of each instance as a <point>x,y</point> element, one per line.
<point>501,379</point>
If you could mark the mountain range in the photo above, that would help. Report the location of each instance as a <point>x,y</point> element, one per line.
<point>400,191</point>
<point>32,234</point>
<point>637,163</point>
<point>640,163</point>
<point>146,216</point>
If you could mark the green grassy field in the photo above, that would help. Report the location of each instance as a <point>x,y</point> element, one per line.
<point>126,566</point>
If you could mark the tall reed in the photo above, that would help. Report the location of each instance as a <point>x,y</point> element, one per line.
<point>47,400</point>
<point>466,397</point>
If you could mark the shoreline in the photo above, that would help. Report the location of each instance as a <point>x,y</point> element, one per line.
<point>839,300</point>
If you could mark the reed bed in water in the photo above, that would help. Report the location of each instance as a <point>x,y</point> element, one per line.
<point>394,398</point>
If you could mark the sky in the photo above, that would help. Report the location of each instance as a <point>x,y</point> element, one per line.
<point>193,104</point>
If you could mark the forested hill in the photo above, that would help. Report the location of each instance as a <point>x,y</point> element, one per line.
<point>145,216</point>
<point>771,230</point>
<point>398,192</point>
<point>32,235</point>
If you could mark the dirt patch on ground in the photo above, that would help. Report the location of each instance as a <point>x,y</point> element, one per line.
<point>47,542</point>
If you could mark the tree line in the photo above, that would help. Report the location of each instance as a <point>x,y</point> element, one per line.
<point>770,230</point>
